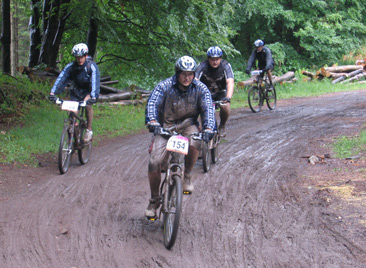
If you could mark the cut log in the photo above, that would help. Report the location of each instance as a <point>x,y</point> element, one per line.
<point>246,83</point>
<point>351,74</point>
<point>105,78</point>
<point>309,74</point>
<point>337,75</point>
<point>109,82</point>
<point>116,97</point>
<point>354,78</point>
<point>340,69</point>
<point>285,77</point>
<point>107,89</point>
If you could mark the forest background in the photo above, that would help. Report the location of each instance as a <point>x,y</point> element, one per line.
<point>138,42</point>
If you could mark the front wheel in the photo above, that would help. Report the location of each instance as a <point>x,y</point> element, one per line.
<point>206,156</point>
<point>215,149</point>
<point>172,211</point>
<point>65,149</point>
<point>84,150</point>
<point>255,99</point>
<point>271,99</point>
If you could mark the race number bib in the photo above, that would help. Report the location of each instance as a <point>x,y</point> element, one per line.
<point>71,106</point>
<point>178,144</point>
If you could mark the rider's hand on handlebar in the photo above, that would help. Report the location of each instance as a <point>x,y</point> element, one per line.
<point>153,126</point>
<point>207,135</point>
<point>52,98</point>
<point>91,101</point>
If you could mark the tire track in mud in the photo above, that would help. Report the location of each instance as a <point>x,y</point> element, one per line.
<point>249,210</point>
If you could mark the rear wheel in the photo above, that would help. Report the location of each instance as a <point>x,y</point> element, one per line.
<point>255,99</point>
<point>271,99</point>
<point>172,212</point>
<point>65,149</point>
<point>84,147</point>
<point>206,159</point>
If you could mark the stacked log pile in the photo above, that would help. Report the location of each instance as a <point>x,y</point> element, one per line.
<point>130,95</point>
<point>340,74</point>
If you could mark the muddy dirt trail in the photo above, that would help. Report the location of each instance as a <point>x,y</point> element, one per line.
<point>254,208</point>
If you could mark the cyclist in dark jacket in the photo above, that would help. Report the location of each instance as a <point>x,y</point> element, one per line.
<point>84,76</point>
<point>171,102</point>
<point>217,74</point>
<point>265,61</point>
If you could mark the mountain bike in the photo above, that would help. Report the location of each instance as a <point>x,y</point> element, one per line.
<point>171,188</point>
<point>72,137</point>
<point>260,92</point>
<point>210,152</point>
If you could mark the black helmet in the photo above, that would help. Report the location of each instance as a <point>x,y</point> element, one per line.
<point>185,63</point>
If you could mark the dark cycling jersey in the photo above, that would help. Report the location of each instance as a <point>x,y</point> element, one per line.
<point>214,78</point>
<point>169,105</point>
<point>265,60</point>
<point>85,79</point>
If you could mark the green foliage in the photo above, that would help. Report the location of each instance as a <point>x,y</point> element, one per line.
<point>350,146</point>
<point>17,94</point>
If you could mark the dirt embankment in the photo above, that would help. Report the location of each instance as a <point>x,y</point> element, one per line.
<point>261,205</point>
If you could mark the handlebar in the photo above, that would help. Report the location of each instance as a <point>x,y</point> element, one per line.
<point>81,103</point>
<point>256,72</point>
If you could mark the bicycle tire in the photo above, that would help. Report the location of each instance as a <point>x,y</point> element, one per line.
<point>215,149</point>
<point>173,211</point>
<point>255,99</point>
<point>84,150</point>
<point>206,158</point>
<point>65,150</point>
<point>271,99</point>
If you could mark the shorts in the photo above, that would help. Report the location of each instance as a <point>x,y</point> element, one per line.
<point>158,153</point>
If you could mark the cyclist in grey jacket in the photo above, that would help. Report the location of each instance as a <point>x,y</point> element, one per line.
<point>84,76</point>
<point>171,102</point>
<point>265,61</point>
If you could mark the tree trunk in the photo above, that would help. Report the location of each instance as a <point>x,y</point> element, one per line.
<point>6,36</point>
<point>14,62</point>
<point>92,32</point>
<point>58,36</point>
<point>55,19</point>
<point>35,35</point>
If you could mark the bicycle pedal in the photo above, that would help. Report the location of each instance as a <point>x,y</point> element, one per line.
<point>152,218</point>
<point>187,192</point>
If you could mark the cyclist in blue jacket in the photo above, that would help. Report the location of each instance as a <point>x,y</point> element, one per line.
<point>83,73</point>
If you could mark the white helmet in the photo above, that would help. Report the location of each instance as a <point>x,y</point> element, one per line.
<point>258,43</point>
<point>185,63</point>
<point>80,50</point>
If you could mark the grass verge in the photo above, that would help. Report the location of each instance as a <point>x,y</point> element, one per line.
<point>42,124</point>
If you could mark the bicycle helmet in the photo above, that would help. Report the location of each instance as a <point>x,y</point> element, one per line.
<point>185,63</point>
<point>214,52</point>
<point>80,50</point>
<point>258,43</point>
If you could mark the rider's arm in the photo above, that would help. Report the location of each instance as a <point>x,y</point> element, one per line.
<point>269,58</point>
<point>62,80</point>
<point>207,107</point>
<point>155,99</point>
<point>229,75</point>
<point>229,87</point>
<point>251,60</point>
<point>95,81</point>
